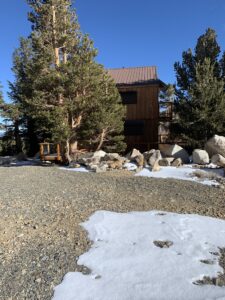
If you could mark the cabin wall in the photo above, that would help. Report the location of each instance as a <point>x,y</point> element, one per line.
<point>147,110</point>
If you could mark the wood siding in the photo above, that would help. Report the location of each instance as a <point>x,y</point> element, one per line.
<point>146,109</point>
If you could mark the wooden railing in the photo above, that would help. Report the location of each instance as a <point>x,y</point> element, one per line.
<point>50,152</point>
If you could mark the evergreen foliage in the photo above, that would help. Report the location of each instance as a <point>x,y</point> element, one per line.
<point>200,98</point>
<point>62,93</point>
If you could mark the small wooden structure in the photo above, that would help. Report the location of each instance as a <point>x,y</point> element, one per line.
<point>50,152</point>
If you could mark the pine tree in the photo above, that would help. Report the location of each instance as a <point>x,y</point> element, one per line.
<point>64,79</point>
<point>104,122</point>
<point>206,47</point>
<point>10,125</point>
<point>222,66</point>
<point>199,101</point>
<point>21,91</point>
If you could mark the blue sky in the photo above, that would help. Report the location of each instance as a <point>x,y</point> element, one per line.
<point>126,32</point>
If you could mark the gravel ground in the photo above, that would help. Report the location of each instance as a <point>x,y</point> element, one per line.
<point>41,208</point>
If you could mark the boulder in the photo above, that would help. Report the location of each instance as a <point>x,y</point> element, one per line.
<point>200,157</point>
<point>85,158</point>
<point>134,154</point>
<point>115,164</point>
<point>216,145</point>
<point>140,160</point>
<point>165,162</point>
<point>175,151</point>
<point>99,154</point>
<point>218,160</point>
<point>177,162</point>
<point>99,168</point>
<point>90,158</point>
<point>155,157</point>
<point>148,154</point>
<point>156,167</point>
<point>111,157</point>
<point>137,157</point>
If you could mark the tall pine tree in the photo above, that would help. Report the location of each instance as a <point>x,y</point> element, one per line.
<point>199,101</point>
<point>64,81</point>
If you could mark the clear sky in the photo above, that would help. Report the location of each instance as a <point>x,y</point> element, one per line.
<point>126,32</point>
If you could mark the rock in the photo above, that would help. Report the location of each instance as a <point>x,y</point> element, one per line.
<point>99,168</point>
<point>137,157</point>
<point>175,151</point>
<point>140,160</point>
<point>148,154</point>
<point>91,158</point>
<point>156,166</point>
<point>21,157</point>
<point>177,162</point>
<point>134,154</point>
<point>115,164</point>
<point>155,157</point>
<point>200,157</point>
<point>218,160</point>
<point>74,165</point>
<point>165,162</point>
<point>99,154</point>
<point>111,157</point>
<point>85,158</point>
<point>163,244</point>
<point>216,145</point>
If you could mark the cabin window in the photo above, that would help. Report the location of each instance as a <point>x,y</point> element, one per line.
<point>134,127</point>
<point>129,97</point>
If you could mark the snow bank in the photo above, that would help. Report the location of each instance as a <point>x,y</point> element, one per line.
<point>182,173</point>
<point>127,265</point>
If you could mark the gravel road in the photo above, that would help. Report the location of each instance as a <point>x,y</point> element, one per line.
<point>41,208</point>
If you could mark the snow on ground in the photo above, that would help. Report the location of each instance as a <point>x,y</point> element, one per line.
<point>81,169</point>
<point>127,265</point>
<point>130,166</point>
<point>182,173</point>
<point>30,162</point>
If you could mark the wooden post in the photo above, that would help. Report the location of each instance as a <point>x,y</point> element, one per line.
<point>48,148</point>
<point>58,152</point>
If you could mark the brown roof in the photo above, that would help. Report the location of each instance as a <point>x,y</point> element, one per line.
<point>131,76</point>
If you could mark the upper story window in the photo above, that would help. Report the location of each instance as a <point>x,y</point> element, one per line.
<point>129,97</point>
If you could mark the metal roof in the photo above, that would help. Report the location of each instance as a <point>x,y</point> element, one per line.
<point>133,76</point>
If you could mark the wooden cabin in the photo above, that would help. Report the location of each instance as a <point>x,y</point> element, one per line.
<point>139,88</point>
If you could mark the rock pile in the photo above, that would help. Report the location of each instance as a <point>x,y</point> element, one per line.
<point>168,155</point>
<point>101,161</point>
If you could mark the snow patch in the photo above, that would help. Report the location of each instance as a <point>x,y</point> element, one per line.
<point>182,173</point>
<point>130,166</point>
<point>81,169</point>
<point>127,265</point>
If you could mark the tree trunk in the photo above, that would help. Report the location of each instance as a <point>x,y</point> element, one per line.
<point>17,137</point>
<point>67,156</point>
<point>32,139</point>
<point>56,49</point>
<point>102,139</point>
